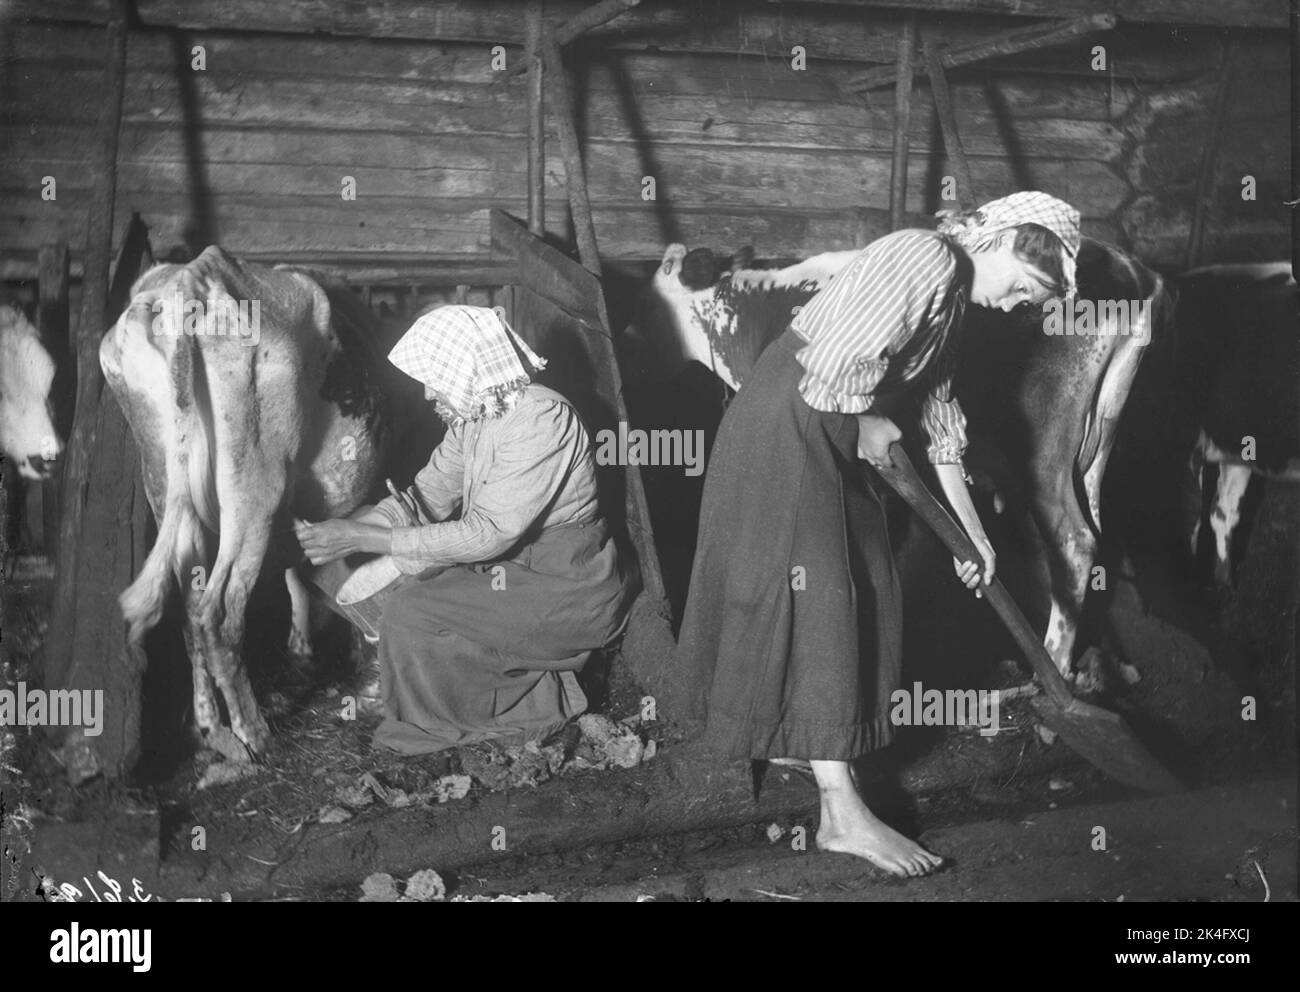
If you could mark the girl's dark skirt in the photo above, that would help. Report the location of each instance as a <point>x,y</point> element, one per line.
<point>792,637</point>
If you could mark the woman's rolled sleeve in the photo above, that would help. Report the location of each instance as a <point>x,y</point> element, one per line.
<point>945,425</point>
<point>530,461</point>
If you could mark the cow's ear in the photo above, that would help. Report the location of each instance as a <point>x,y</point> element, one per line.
<point>743,259</point>
<point>699,269</point>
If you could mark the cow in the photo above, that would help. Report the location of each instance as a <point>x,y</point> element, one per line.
<point>1051,401</point>
<point>28,437</point>
<point>1235,365</point>
<point>255,395</point>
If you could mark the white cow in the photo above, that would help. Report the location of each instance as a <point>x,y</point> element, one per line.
<point>27,433</point>
<point>240,427</point>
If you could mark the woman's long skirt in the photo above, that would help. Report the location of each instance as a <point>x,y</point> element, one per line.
<point>484,652</point>
<point>792,636</point>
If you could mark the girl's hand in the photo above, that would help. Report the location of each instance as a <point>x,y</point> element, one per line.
<point>969,573</point>
<point>328,540</point>
<point>875,435</point>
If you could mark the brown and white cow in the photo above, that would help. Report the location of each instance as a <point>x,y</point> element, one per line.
<point>1237,372</point>
<point>253,396</point>
<point>1050,402</point>
<point>28,437</point>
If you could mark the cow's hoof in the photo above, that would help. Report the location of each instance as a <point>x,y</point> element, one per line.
<point>222,741</point>
<point>1091,675</point>
<point>299,650</point>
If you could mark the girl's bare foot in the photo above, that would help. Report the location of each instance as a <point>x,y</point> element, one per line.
<point>849,827</point>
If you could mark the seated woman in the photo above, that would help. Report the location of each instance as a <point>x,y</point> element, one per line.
<point>517,580</point>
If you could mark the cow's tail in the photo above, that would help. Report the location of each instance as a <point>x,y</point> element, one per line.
<point>190,500</point>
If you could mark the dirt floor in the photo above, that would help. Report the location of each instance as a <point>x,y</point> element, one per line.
<point>622,808</point>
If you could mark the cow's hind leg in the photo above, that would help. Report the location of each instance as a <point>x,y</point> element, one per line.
<point>190,566</point>
<point>300,618</point>
<point>1194,493</point>
<point>245,533</point>
<point>1233,482</point>
<point>1071,547</point>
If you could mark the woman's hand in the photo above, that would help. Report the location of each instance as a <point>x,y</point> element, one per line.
<point>969,572</point>
<point>331,540</point>
<point>875,435</point>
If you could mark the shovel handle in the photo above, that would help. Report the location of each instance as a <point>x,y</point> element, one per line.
<point>905,481</point>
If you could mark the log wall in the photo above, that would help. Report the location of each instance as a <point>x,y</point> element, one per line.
<point>253,150</point>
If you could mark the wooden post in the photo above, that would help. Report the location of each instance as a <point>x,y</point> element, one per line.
<point>583,227</point>
<point>90,380</point>
<point>113,534</point>
<point>902,124</point>
<point>536,122</point>
<point>1209,161</point>
<point>948,122</point>
<point>1011,43</point>
<point>52,288</point>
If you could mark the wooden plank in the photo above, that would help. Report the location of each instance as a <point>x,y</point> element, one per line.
<point>902,123</point>
<point>1077,129</point>
<point>1230,13</point>
<point>455,233</point>
<point>1209,158</point>
<point>967,197</point>
<point>536,122</point>
<point>740,27</point>
<point>1011,43</point>
<point>578,291</point>
<point>574,171</point>
<point>90,379</point>
<point>446,83</point>
<point>298,163</point>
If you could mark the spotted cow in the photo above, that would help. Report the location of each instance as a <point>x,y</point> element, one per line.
<point>1047,403</point>
<point>1235,360</point>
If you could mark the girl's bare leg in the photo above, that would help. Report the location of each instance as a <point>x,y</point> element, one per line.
<point>849,827</point>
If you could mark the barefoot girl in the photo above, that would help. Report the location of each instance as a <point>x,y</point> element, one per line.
<point>793,627</point>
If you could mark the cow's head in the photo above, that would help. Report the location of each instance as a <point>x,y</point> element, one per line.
<point>664,322</point>
<point>27,432</point>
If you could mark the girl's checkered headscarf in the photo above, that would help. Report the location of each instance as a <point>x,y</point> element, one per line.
<point>976,228</point>
<point>471,357</point>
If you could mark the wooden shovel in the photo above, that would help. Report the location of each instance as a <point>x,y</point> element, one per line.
<point>1100,736</point>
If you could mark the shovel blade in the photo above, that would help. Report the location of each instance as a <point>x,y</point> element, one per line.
<point>1105,739</point>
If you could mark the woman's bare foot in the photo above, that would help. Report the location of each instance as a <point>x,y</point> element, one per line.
<point>849,827</point>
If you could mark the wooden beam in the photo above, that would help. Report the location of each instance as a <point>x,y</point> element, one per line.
<point>1209,160</point>
<point>952,145</point>
<point>678,27</point>
<point>575,175</point>
<point>1209,13</point>
<point>578,25</point>
<point>902,123</point>
<point>536,122</point>
<point>1010,43</point>
<point>94,311</point>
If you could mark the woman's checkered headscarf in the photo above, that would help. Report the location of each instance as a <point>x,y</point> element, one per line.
<point>471,357</point>
<point>974,229</point>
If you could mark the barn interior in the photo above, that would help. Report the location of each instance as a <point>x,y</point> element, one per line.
<point>541,158</point>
